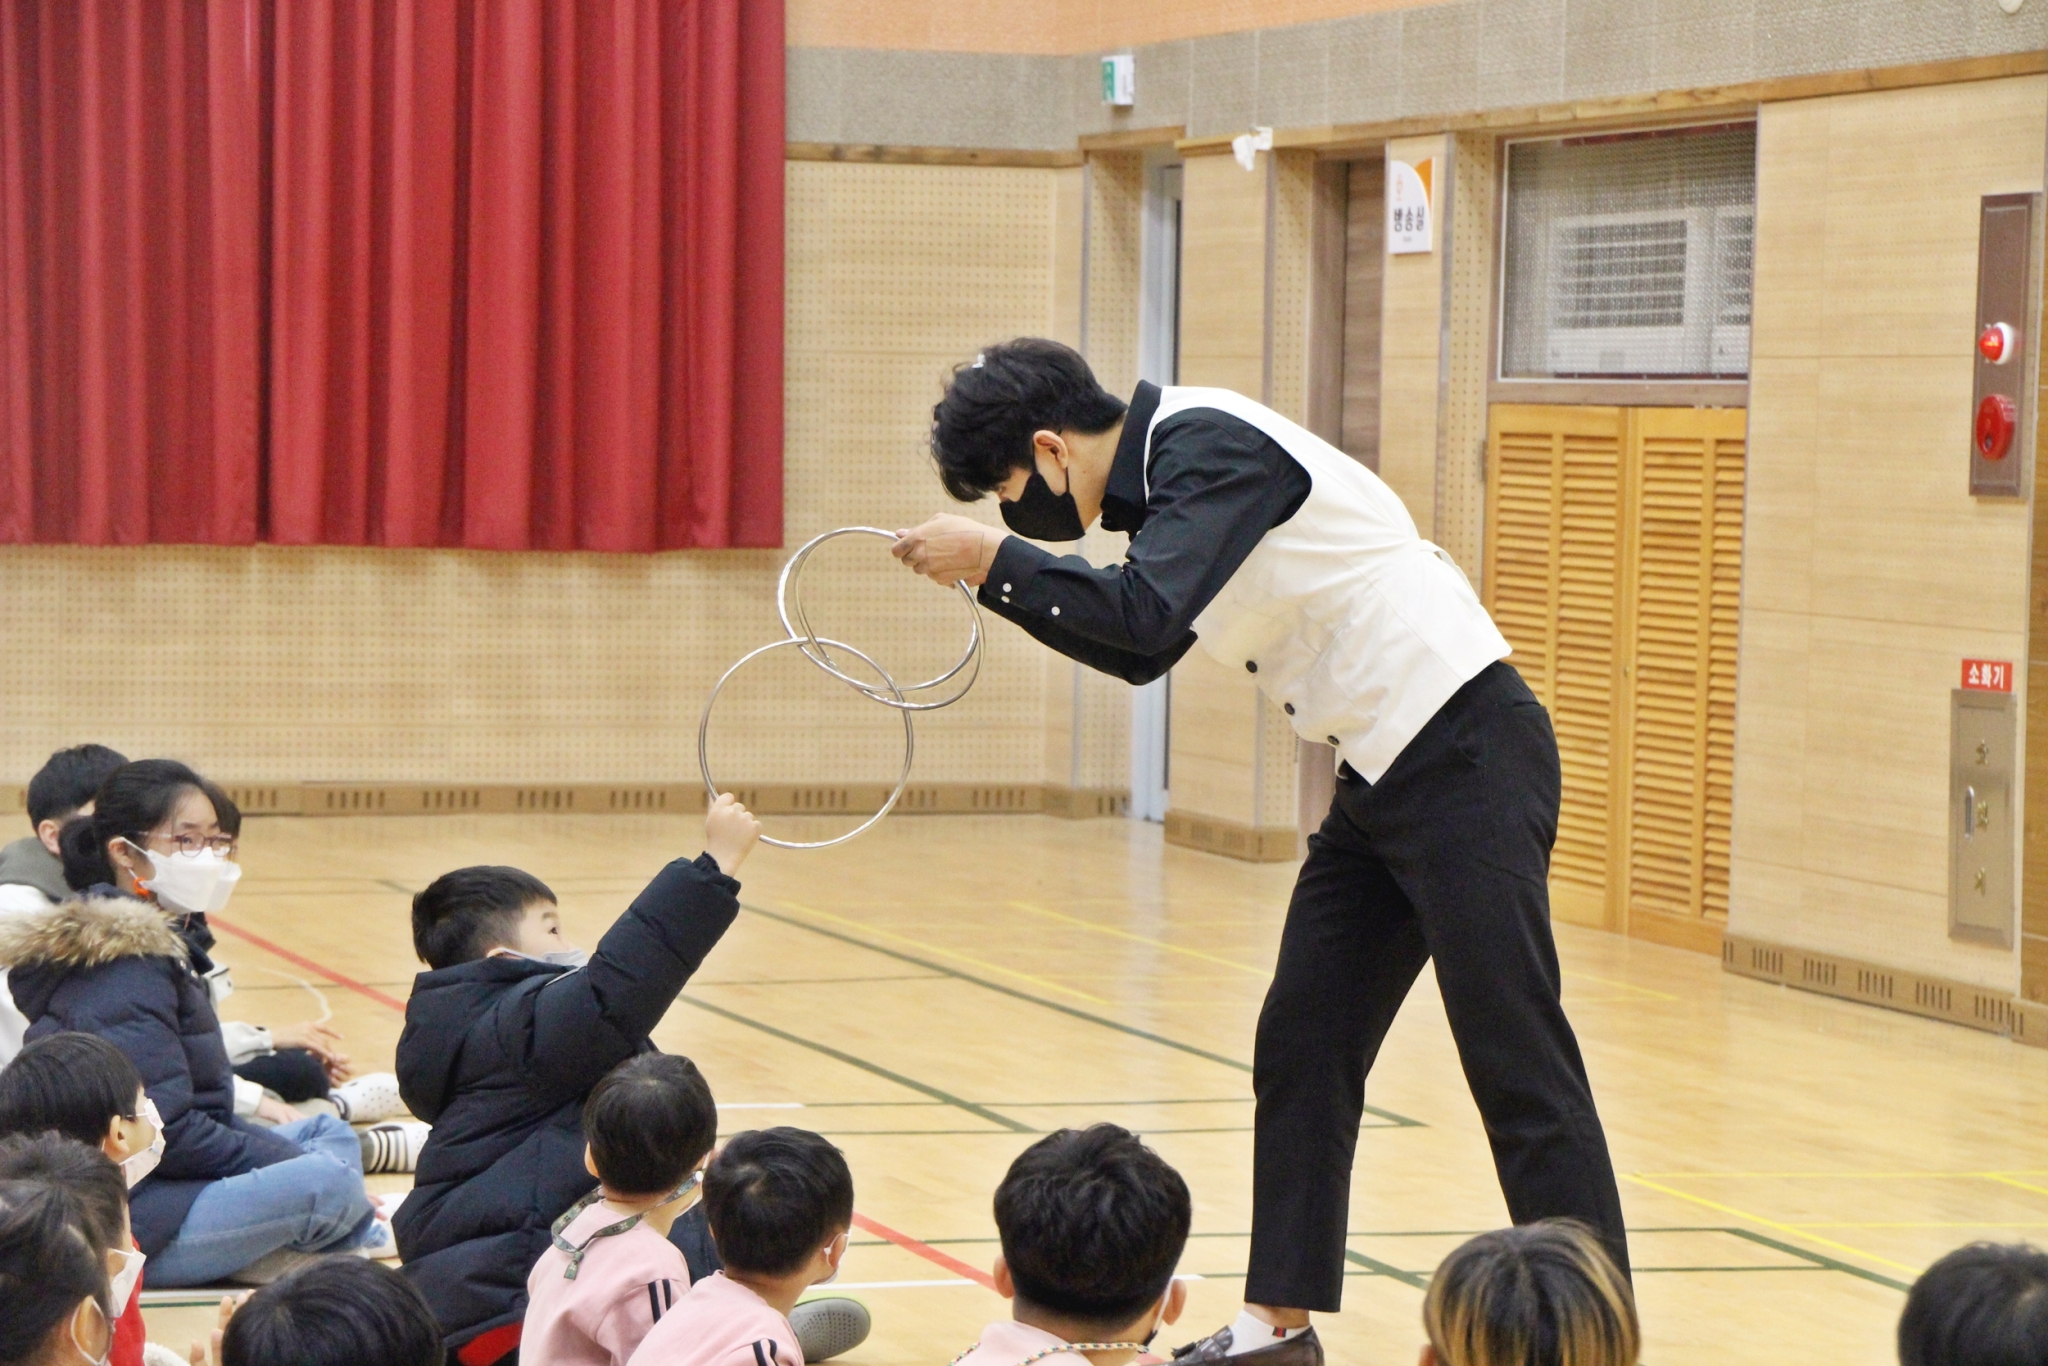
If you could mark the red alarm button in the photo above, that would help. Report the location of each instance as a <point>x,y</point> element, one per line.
<point>1996,416</point>
<point>1995,343</point>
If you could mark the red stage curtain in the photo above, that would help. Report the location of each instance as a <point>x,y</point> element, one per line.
<point>509,273</point>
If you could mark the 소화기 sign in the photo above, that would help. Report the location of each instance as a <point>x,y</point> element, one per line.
<point>1987,675</point>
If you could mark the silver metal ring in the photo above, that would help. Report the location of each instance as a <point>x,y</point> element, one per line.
<point>704,734</point>
<point>789,590</point>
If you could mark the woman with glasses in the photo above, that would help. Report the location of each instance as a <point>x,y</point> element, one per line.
<point>128,961</point>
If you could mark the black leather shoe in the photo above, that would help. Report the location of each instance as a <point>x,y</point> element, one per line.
<point>1304,1349</point>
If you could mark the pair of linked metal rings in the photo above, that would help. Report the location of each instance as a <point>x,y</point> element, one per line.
<point>905,698</point>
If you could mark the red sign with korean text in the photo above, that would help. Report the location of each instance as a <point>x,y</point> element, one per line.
<point>1987,675</point>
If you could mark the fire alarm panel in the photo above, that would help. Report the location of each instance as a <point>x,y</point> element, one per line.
<point>2002,409</point>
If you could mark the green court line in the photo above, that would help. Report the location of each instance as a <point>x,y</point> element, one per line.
<point>1393,1120</point>
<point>874,1069</point>
<point>1380,1268</point>
<point>1819,1259</point>
<point>811,981</point>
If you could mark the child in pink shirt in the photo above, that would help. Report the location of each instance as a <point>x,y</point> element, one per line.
<point>779,1202</point>
<point>1092,1223</point>
<point>612,1274</point>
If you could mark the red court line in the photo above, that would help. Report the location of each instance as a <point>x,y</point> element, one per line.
<point>309,965</point>
<point>926,1251</point>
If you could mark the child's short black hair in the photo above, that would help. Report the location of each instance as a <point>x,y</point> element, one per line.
<point>981,429</point>
<point>649,1122</point>
<point>1093,1223</point>
<point>70,1083</point>
<point>463,915</point>
<point>84,1173</point>
<point>1985,1304</point>
<point>46,1266</point>
<point>68,779</point>
<point>775,1196</point>
<point>340,1311</point>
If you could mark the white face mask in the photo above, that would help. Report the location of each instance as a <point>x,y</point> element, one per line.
<point>106,1323</point>
<point>122,1282</point>
<point>198,882</point>
<point>561,958</point>
<point>133,1169</point>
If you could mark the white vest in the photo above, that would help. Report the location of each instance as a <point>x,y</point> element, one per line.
<point>1353,623</point>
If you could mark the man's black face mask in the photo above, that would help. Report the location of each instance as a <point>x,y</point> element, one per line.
<point>1042,514</point>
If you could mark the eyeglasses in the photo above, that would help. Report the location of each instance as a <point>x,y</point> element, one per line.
<point>192,846</point>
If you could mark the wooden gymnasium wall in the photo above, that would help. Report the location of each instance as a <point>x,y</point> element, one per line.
<point>274,665</point>
<point>1869,572</point>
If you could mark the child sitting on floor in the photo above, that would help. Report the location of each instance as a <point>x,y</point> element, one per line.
<point>780,1202</point>
<point>1543,1294</point>
<point>1093,1223</point>
<point>101,1201</point>
<point>505,1037</point>
<point>83,1088</point>
<point>612,1272</point>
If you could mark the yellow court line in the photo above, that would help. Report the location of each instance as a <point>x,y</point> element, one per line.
<point>1981,1223</point>
<point>1137,938</point>
<point>2005,1179</point>
<point>1625,986</point>
<point>925,947</point>
<point>1845,1176</point>
<point>1793,1229</point>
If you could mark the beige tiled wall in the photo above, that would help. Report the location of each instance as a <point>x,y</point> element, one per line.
<point>287,664</point>
<point>1869,572</point>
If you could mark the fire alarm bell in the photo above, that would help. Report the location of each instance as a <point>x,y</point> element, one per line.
<point>2002,406</point>
<point>1997,417</point>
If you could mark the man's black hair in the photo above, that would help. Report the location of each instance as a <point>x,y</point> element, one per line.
<point>340,1311</point>
<point>68,779</point>
<point>775,1196</point>
<point>1093,1223</point>
<point>85,1173</point>
<point>463,915</point>
<point>70,1083</point>
<point>981,429</point>
<point>649,1122</point>
<point>1985,1304</point>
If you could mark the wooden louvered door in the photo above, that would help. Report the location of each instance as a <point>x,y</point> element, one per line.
<point>1685,557</point>
<point>1555,529</point>
<point>1613,567</point>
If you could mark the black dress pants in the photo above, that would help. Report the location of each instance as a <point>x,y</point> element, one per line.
<point>1446,857</point>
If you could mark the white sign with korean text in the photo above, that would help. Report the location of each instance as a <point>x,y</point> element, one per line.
<point>1409,221</point>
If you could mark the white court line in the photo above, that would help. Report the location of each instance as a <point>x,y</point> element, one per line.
<point>766,1105</point>
<point>825,1290</point>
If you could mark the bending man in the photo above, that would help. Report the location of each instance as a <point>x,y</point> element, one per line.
<point>1286,558</point>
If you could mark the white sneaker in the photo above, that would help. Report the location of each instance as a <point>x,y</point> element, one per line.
<point>393,1147</point>
<point>367,1099</point>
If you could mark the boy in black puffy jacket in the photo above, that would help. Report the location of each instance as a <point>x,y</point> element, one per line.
<point>504,1038</point>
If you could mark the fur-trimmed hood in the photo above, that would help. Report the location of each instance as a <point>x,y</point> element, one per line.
<point>89,933</point>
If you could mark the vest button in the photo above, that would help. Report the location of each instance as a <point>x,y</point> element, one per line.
<point>1287,707</point>
<point>1251,666</point>
<point>1333,741</point>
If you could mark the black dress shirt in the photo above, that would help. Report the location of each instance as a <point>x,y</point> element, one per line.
<point>1217,486</point>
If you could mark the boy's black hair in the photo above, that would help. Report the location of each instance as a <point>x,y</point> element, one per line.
<point>649,1121</point>
<point>88,1175</point>
<point>46,1266</point>
<point>68,780</point>
<point>131,801</point>
<point>340,1311</point>
<point>1985,1304</point>
<point>69,1083</point>
<point>1093,1223</point>
<point>981,429</point>
<point>463,915</point>
<point>775,1196</point>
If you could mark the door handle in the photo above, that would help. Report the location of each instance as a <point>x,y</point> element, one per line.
<point>1969,812</point>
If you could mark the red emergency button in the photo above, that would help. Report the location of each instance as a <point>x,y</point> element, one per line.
<point>1995,343</point>
<point>1996,416</point>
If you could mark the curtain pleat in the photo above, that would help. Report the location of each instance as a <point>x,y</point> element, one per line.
<point>408,272</point>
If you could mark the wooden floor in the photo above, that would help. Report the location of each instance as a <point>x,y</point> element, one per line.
<point>936,993</point>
